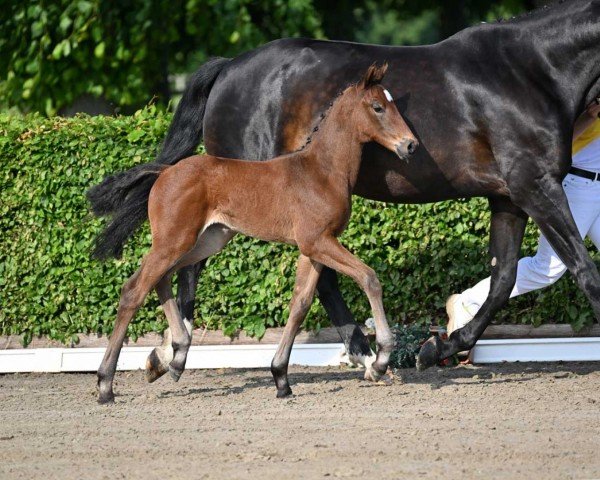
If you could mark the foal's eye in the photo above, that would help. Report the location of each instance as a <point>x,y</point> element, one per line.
<point>377,107</point>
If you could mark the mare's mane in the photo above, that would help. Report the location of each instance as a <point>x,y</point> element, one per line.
<point>536,13</point>
<point>531,13</point>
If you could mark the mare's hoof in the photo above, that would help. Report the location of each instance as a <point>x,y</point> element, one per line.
<point>429,355</point>
<point>154,367</point>
<point>284,392</point>
<point>175,374</point>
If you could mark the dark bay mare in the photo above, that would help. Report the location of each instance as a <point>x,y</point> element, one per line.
<point>493,107</point>
<point>303,198</point>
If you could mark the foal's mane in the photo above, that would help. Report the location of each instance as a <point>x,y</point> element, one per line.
<point>322,117</point>
<point>324,114</point>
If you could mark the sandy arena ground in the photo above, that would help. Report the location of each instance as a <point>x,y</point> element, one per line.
<point>503,421</point>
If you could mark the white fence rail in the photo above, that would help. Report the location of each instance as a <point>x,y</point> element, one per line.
<point>524,344</point>
<point>134,358</point>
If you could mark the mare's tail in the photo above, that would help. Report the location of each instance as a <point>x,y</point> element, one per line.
<point>124,196</point>
<point>185,132</point>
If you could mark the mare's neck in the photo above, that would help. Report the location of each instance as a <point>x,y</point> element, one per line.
<point>336,149</point>
<point>564,55</point>
<point>570,42</point>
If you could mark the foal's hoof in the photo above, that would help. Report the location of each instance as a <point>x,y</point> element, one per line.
<point>379,377</point>
<point>175,373</point>
<point>284,392</point>
<point>372,375</point>
<point>154,367</point>
<point>106,399</point>
<point>429,354</point>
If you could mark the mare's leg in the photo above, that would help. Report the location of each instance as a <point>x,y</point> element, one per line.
<point>307,275</point>
<point>135,290</point>
<point>545,202</point>
<point>330,252</point>
<point>506,235</point>
<point>187,281</point>
<point>355,341</point>
<point>212,241</point>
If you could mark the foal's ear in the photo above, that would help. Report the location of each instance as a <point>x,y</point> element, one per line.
<point>373,76</point>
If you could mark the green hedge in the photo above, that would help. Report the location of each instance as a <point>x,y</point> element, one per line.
<point>49,285</point>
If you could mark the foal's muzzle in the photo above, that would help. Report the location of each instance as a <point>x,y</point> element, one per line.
<point>405,148</point>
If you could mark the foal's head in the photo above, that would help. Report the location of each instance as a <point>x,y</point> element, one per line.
<point>378,118</point>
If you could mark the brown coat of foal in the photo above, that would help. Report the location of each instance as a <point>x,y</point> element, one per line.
<point>303,198</point>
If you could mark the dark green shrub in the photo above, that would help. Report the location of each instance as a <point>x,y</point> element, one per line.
<point>53,52</point>
<point>50,286</point>
<point>408,343</point>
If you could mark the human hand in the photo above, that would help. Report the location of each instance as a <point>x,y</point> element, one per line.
<point>593,109</point>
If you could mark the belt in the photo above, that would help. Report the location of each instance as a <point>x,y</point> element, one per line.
<point>584,173</point>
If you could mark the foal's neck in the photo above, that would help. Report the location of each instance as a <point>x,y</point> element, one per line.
<point>336,148</point>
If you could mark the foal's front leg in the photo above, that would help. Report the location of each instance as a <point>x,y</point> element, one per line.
<point>211,241</point>
<point>355,341</point>
<point>307,275</point>
<point>331,253</point>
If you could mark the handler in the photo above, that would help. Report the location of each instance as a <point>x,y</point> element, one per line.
<point>582,187</point>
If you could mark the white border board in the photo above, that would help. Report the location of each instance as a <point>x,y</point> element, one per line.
<point>260,356</point>
<point>572,349</point>
<point>134,358</point>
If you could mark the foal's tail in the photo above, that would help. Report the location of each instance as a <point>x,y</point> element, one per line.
<point>124,196</point>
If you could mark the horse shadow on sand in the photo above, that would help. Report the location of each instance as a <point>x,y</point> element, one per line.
<point>234,382</point>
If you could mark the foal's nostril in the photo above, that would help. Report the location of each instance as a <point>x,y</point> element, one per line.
<point>406,147</point>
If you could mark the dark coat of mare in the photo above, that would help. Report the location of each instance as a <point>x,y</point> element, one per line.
<point>493,107</point>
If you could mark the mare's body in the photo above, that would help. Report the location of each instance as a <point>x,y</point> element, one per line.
<point>493,107</point>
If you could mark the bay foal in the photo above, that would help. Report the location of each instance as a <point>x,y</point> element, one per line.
<point>196,206</point>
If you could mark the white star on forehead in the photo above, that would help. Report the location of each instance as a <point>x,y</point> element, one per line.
<point>388,95</point>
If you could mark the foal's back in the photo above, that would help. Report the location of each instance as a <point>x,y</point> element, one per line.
<point>273,200</point>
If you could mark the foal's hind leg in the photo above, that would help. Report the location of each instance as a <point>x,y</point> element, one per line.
<point>160,359</point>
<point>180,334</point>
<point>506,235</point>
<point>307,274</point>
<point>133,294</point>
<point>211,241</point>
